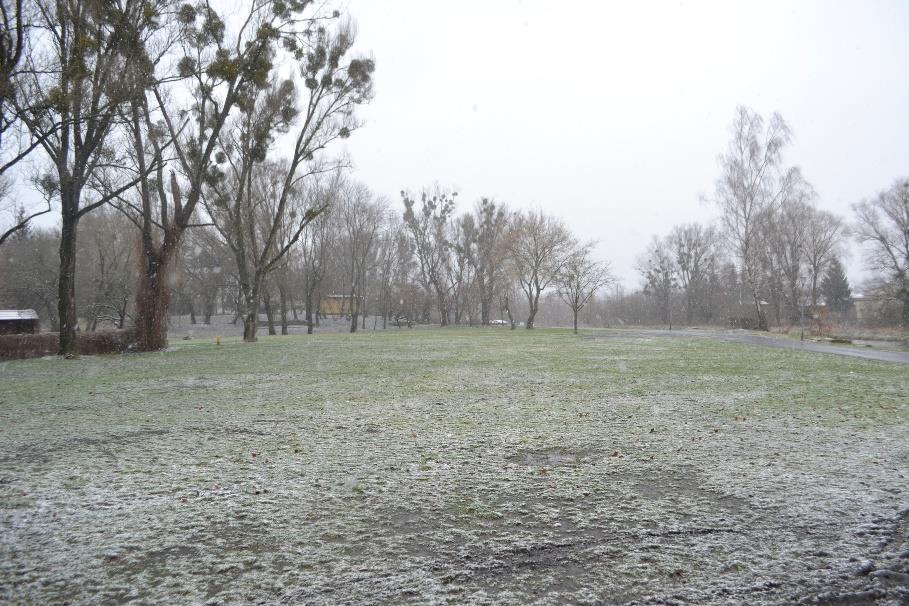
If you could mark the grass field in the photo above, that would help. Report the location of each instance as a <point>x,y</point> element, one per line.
<point>454,466</point>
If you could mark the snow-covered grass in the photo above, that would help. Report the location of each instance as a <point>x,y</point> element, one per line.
<point>452,466</point>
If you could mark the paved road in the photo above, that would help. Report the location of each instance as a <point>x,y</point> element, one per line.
<point>735,336</point>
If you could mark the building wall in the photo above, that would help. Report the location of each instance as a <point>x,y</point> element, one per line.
<point>334,306</point>
<point>12,327</point>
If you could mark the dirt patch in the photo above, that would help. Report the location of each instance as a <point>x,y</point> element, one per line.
<point>683,484</point>
<point>550,457</point>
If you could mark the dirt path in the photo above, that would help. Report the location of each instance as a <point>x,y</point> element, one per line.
<point>734,336</point>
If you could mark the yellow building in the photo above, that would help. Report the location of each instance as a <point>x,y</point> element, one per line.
<point>335,305</point>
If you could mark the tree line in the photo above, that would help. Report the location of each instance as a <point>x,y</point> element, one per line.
<point>171,113</point>
<point>419,261</point>
<point>190,155</point>
<point>772,247</point>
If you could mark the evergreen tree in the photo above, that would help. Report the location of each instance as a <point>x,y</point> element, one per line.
<point>835,287</point>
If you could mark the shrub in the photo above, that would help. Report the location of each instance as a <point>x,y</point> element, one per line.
<point>19,347</point>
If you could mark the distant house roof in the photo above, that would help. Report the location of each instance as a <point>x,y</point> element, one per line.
<point>18,314</point>
<point>872,296</point>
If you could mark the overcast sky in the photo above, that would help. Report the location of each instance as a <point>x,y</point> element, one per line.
<point>612,115</point>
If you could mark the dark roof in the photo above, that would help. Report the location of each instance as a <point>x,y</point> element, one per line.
<point>18,314</point>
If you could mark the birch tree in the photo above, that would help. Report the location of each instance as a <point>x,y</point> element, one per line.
<point>752,182</point>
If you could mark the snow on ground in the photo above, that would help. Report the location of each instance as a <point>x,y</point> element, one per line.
<point>483,466</point>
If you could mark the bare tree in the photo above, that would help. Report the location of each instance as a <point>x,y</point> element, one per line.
<point>784,252</point>
<point>225,74</point>
<point>658,267</point>
<point>16,141</point>
<point>207,266</point>
<point>361,216</point>
<point>824,234</point>
<point>882,223</point>
<point>752,182</point>
<point>695,250</point>
<point>106,268</point>
<point>428,227</point>
<point>12,43</point>
<point>580,279</point>
<point>392,258</point>
<point>485,244</point>
<point>316,245</point>
<point>539,247</point>
<point>458,269</point>
<point>78,111</point>
<point>261,218</point>
<point>15,218</point>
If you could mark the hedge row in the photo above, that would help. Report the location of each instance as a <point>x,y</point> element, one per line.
<point>18,347</point>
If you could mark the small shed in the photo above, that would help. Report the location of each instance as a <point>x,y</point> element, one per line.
<point>18,321</point>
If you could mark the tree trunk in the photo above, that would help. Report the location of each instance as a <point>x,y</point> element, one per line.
<point>308,311</point>
<point>251,319</point>
<point>689,311</point>
<point>484,311</point>
<point>293,305</point>
<point>66,291</point>
<point>576,321</point>
<point>510,316</point>
<point>354,312</point>
<point>906,307</point>
<point>363,312</point>
<point>269,313</point>
<point>192,311</point>
<point>814,277</point>
<point>152,300</point>
<point>443,308</point>
<point>761,318</point>
<point>533,302</point>
<point>282,297</point>
<point>209,304</point>
<point>251,325</point>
